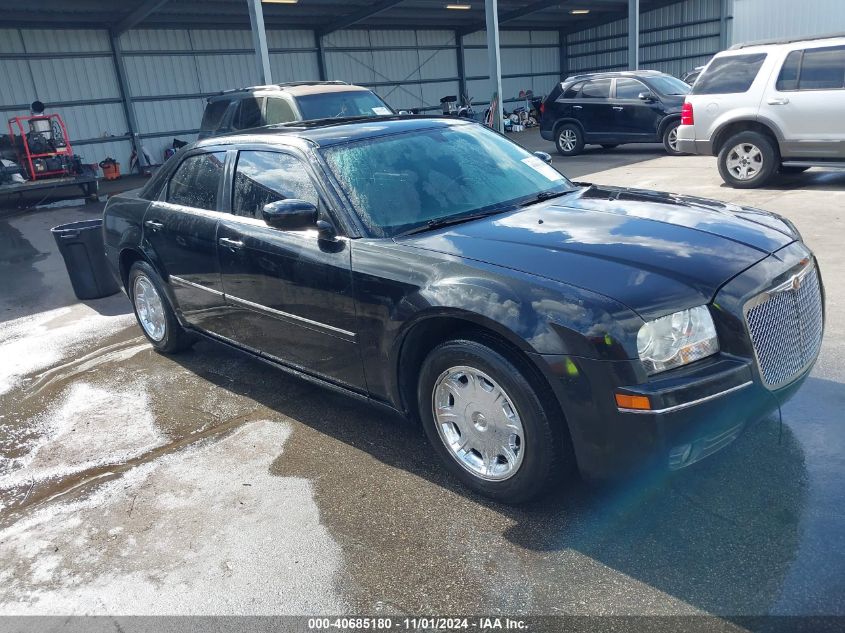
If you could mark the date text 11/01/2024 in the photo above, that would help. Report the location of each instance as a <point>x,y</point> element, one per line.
<point>414,624</point>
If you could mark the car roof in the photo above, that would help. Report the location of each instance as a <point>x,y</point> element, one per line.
<point>822,40</point>
<point>328,132</point>
<point>638,74</point>
<point>293,88</point>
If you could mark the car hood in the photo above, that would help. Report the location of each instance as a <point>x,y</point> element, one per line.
<point>654,252</point>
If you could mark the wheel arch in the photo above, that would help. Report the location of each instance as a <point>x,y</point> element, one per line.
<point>666,122</point>
<point>731,128</point>
<point>127,257</point>
<point>563,121</point>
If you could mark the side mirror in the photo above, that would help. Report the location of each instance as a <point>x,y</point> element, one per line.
<point>290,214</point>
<point>646,96</point>
<point>544,156</point>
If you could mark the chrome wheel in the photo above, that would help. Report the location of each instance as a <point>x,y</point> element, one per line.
<point>150,308</point>
<point>568,140</point>
<point>478,423</point>
<point>744,161</point>
<point>672,139</point>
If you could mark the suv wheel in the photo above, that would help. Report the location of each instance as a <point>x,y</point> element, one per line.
<point>670,139</point>
<point>154,312</point>
<point>569,140</point>
<point>748,160</point>
<point>487,423</point>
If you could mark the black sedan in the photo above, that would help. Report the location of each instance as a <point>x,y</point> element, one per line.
<point>532,325</point>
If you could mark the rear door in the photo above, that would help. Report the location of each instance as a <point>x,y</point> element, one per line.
<point>180,231</point>
<point>289,293</point>
<point>807,103</point>
<point>595,111</point>
<point>635,120</point>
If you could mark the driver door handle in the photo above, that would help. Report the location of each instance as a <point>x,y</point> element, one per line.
<point>233,244</point>
<point>778,101</point>
<point>154,225</point>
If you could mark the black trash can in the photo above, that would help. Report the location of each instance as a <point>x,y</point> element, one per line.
<point>81,246</point>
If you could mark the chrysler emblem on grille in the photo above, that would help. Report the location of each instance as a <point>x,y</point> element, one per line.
<point>796,282</point>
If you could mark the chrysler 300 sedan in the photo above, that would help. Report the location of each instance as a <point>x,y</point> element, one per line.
<point>532,325</point>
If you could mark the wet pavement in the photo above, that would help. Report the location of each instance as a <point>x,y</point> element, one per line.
<point>209,482</point>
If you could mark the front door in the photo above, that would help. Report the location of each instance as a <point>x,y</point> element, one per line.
<point>180,229</point>
<point>636,120</point>
<point>807,103</point>
<point>289,292</point>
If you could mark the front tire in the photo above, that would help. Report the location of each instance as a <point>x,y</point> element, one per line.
<point>569,140</point>
<point>153,311</point>
<point>670,139</point>
<point>488,423</point>
<point>748,160</point>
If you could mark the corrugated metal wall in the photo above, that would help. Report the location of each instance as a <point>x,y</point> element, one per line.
<point>530,61</point>
<point>761,19</point>
<point>673,39</point>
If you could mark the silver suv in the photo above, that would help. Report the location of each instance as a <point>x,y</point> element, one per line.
<point>769,107</point>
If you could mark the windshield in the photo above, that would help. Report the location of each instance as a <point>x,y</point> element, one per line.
<point>669,85</point>
<point>400,182</point>
<point>330,105</point>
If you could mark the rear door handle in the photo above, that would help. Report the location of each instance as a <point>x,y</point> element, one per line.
<point>232,244</point>
<point>778,101</point>
<point>154,225</point>
<point>618,108</point>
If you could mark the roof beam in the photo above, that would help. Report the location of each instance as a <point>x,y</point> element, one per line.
<point>357,16</point>
<point>135,17</point>
<point>514,15</point>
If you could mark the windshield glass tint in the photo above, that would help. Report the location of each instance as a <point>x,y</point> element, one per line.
<point>669,85</point>
<point>403,181</point>
<point>729,75</point>
<point>329,105</point>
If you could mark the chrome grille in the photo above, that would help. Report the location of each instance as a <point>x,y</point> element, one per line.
<point>786,326</point>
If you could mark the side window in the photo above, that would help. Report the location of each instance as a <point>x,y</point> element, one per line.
<point>264,177</point>
<point>599,89</point>
<point>213,114</point>
<point>629,88</point>
<point>731,74</point>
<point>573,90</point>
<point>278,111</point>
<point>788,77</point>
<point>248,114</point>
<point>197,181</point>
<point>823,69</point>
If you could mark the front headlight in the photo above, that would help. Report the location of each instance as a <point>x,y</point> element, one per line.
<point>677,339</point>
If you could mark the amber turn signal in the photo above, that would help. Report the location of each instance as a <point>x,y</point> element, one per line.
<point>626,401</point>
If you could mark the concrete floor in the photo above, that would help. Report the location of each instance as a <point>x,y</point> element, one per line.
<point>133,483</point>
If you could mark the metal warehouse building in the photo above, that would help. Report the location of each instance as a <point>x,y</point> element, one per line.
<point>142,69</point>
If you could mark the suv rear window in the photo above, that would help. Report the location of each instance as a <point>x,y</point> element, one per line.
<point>214,114</point>
<point>729,75</point>
<point>330,105</point>
<point>248,114</point>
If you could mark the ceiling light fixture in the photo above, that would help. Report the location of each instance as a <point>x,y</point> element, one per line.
<point>579,11</point>
<point>280,1</point>
<point>459,7</point>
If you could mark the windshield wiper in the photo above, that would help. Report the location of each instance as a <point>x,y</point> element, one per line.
<point>545,195</point>
<point>437,223</point>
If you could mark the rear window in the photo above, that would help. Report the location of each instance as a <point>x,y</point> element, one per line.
<point>596,89</point>
<point>214,114</point>
<point>573,90</point>
<point>332,105</point>
<point>729,75</point>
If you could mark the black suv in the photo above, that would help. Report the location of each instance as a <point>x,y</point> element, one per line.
<point>247,108</point>
<point>609,109</point>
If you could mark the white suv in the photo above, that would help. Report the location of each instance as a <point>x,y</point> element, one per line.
<point>768,108</point>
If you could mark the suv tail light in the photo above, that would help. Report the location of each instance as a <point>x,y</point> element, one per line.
<point>542,108</point>
<point>686,114</point>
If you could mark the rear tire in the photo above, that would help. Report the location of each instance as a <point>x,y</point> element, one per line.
<point>748,160</point>
<point>153,311</point>
<point>569,140</point>
<point>488,423</point>
<point>670,139</point>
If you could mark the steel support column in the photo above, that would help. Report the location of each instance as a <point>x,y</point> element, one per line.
<point>633,34</point>
<point>724,16</point>
<point>321,57</point>
<point>259,41</point>
<point>563,52</point>
<point>495,65</point>
<point>462,73</point>
<point>126,98</point>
